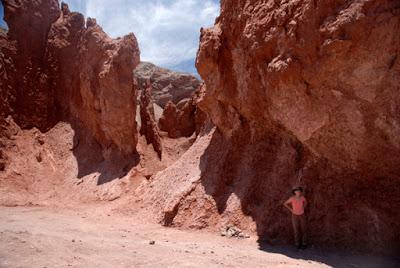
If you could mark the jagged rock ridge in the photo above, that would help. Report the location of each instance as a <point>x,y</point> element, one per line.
<point>149,126</point>
<point>66,69</point>
<point>167,85</point>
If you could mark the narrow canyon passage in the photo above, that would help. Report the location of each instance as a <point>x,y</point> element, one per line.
<point>276,98</point>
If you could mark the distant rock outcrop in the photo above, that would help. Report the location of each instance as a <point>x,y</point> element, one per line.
<point>167,85</point>
<point>178,122</point>
<point>182,119</point>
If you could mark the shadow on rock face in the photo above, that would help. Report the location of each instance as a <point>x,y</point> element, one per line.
<point>91,158</point>
<point>250,176</point>
<point>325,90</point>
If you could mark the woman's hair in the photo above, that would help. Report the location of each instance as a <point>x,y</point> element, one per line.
<point>297,189</point>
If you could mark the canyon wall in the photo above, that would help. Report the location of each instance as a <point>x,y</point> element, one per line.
<point>66,69</point>
<point>27,32</point>
<point>301,92</point>
<point>7,72</point>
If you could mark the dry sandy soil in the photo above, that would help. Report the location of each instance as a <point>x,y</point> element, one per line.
<point>95,236</point>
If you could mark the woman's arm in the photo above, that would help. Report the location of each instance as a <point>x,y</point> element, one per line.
<point>305,203</point>
<point>286,205</point>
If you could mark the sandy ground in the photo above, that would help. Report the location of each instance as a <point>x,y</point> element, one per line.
<point>94,237</point>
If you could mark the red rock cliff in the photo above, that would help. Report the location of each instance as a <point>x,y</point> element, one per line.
<point>66,70</point>
<point>29,23</point>
<point>308,92</point>
<point>301,92</point>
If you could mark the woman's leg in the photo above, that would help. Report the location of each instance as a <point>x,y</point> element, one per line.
<point>303,227</point>
<point>296,229</point>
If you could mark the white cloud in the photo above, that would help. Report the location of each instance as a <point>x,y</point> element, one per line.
<point>167,30</point>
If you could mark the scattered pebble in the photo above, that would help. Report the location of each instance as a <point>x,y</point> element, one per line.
<point>233,231</point>
<point>152,242</point>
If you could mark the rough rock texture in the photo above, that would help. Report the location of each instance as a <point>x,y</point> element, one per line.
<point>301,92</point>
<point>42,168</point>
<point>50,168</point>
<point>7,75</point>
<point>178,122</point>
<point>28,32</point>
<point>183,119</point>
<point>95,81</point>
<point>85,149</point>
<point>149,126</point>
<point>167,85</point>
<point>66,70</point>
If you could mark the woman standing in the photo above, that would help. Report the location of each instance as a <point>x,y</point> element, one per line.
<point>296,204</point>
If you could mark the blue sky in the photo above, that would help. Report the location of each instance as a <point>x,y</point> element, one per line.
<point>2,23</point>
<point>167,30</point>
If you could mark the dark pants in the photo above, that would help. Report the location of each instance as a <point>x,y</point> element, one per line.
<point>299,229</point>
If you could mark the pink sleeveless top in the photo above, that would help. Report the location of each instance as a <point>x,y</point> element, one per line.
<point>297,205</point>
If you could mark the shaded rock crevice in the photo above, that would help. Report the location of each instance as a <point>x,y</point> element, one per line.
<point>148,126</point>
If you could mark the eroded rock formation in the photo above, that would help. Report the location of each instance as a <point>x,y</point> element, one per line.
<point>178,122</point>
<point>184,118</point>
<point>301,92</point>
<point>101,69</point>
<point>167,85</point>
<point>29,23</point>
<point>149,126</point>
<point>7,75</point>
<point>66,70</point>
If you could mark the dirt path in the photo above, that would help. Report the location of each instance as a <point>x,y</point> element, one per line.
<point>91,237</point>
